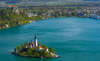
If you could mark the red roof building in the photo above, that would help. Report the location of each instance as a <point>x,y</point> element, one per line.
<point>11,5</point>
<point>39,47</point>
<point>31,43</point>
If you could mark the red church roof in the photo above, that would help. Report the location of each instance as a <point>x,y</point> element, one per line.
<point>11,5</point>
<point>31,43</point>
<point>39,47</point>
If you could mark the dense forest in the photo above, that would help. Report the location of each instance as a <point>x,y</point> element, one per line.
<point>12,18</point>
<point>9,17</point>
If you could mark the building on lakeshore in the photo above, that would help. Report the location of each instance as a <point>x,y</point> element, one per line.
<point>80,14</point>
<point>93,16</point>
<point>14,8</point>
<point>6,25</point>
<point>32,14</point>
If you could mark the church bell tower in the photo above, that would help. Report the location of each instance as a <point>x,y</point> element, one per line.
<point>35,41</point>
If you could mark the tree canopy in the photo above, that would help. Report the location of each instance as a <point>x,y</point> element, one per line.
<point>12,18</point>
<point>18,47</point>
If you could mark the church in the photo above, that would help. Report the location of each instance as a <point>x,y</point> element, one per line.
<point>35,44</point>
<point>31,44</point>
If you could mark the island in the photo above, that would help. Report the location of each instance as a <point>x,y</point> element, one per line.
<point>35,49</point>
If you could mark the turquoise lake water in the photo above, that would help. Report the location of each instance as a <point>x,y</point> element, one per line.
<point>75,39</point>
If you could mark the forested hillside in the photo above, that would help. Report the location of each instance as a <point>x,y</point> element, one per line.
<point>9,18</point>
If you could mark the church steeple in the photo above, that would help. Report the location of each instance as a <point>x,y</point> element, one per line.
<point>35,41</point>
<point>35,36</point>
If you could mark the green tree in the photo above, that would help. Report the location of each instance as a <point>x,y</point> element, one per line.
<point>26,43</point>
<point>24,53</point>
<point>18,48</point>
<point>29,52</point>
<point>51,50</point>
<point>44,46</point>
<point>14,49</point>
<point>36,54</point>
<point>35,49</point>
<point>43,53</point>
<point>22,45</point>
<point>48,55</point>
<point>0,27</point>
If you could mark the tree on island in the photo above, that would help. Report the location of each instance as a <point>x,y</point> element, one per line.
<point>51,50</point>
<point>14,49</point>
<point>44,46</point>
<point>22,45</point>
<point>26,43</point>
<point>36,54</point>
<point>35,51</point>
<point>18,48</point>
<point>43,53</point>
<point>29,52</point>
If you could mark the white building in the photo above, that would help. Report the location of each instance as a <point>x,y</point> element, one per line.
<point>94,16</point>
<point>35,41</point>
<point>7,25</point>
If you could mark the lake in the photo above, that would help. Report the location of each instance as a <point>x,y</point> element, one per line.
<point>75,39</point>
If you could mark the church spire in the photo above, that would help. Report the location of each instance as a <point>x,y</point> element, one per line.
<point>35,41</point>
<point>35,36</point>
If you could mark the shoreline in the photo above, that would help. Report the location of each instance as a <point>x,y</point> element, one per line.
<point>31,56</point>
<point>45,19</point>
